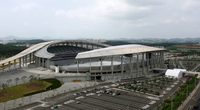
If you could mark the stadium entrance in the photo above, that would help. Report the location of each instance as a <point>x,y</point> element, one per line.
<point>96,78</point>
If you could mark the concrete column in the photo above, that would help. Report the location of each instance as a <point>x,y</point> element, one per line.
<point>23,61</point>
<point>90,66</point>
<point>153,60</point>
<point>14,63</point>
<point>133,66</point>
<point>159,59</point>
<point>81,44</point>
<point>112,66</point>
<point>30,58</point>
<point>36,61</point>
<point>92,46</point>
<point>43,61</point>
<point>101,63</point>
<point>39,61</point>
<point>162,59</point>
<point>156,59</point>
<point>122,66</point>
<point>77,66</point>
<point>20,62</point>
<point>143,65</point>
<point>137,65</point>
<point>152,63</point>
<point>147,61</point>
<point>34,58</point>
<point>3,67</point>
<point>130,65</point>
<point>9,65</point>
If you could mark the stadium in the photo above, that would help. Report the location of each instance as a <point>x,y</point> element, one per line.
<point>87,60</point>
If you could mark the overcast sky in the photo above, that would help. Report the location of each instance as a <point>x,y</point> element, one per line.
<point>72,19</point>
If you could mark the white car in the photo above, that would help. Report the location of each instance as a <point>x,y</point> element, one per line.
<point>75,94</point>
<point>56,106</point>
<point>98,94</point>
<point>78,102</point>
<point>84,91</point>
<point>90,94</point>
<point>100,91</point>
<point>81,97</point>
<point>69,101</point>
<point>113,94</point>
<point>106,87</point>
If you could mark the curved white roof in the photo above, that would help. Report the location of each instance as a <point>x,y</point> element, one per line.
<point>26,52</point>
<point>43,53</point>
<point>41,50</point>
<point>117,50</point>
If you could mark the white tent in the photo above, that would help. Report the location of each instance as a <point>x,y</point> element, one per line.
<point>175,73</point>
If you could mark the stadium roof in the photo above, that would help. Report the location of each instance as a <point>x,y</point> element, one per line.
<point>26,52</point>
<point>117,50</point>
<point>43,53</point>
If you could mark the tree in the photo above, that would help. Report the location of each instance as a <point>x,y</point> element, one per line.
<point>0,85</point>
<point>38,76</point>
<point>23,78</point>
<point>7,50</point>
<point>9,81</point>
<point>16,80</point>
<point>31,77</point>
<point>4,85</point>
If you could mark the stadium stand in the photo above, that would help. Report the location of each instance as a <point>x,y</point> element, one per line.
<point>65,52</point>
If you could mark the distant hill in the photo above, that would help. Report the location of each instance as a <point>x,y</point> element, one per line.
<point>34,41</point>
<point>155,42</point>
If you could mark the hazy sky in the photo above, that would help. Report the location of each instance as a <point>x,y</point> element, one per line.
<point>99,18</point>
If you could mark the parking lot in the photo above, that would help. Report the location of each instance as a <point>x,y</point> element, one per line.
<point>103,98</point>
<point>154,85</point>
<point>112,96</point>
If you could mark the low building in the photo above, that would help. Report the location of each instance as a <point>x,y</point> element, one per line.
<point>175,73</point>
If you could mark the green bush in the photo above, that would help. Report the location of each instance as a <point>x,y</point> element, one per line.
<point>55,83</point>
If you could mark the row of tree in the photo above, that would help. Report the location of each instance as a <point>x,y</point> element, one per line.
<point>9,81</point>
<point>8,50</point>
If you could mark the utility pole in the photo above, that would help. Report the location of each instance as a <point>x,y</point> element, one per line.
<point>187,90</point>
<point>172,105</point>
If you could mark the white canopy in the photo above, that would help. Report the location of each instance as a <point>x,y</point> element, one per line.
<point>176,73</point>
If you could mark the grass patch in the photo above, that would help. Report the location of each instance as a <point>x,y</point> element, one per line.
<point>33,87</point>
